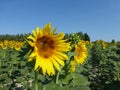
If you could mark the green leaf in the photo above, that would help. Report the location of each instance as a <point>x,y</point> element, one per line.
<point>4,88</point>
<point>80,88</point>
<point>8,79</point>
<point>79,80</point>
<point>67,79</point>
<point>3,77</point>
<point>53,86</point>
<point>41,77</point>
<point>19,79</point>
<point>14,62</point>
<point>70,54</point>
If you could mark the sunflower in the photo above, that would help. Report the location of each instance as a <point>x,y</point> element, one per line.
<point>1,43</point>
<point>4,46</point>
<point>11,44</point>
<point>17,46</point>
<point>73,66</point>
<point>81,51</point>
<point>48,49</point>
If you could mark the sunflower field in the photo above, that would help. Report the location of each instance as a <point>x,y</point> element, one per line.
<point>45,60</point>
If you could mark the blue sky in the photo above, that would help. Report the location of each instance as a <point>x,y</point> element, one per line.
<point>100,19</point>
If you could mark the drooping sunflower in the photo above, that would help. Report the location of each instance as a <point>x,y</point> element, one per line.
<point>49,49</point>
<point>81,51</point>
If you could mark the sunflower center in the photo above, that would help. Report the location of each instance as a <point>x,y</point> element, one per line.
<point>45,46</point>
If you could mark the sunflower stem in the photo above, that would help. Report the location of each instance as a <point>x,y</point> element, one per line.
<point>57,77</point>
<point>36,80</point>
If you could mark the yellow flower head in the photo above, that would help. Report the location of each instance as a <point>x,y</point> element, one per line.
<point>73,66</point>
<point>81,51</point>
<point>11,44</point>
<point>103,45</point>
<point>48,50</point>
<point>4,46</point>
<point>5,42</point>
<point>17,46</point>
<point>1,43</point>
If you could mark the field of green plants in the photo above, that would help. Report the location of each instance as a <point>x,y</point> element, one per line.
<point>100,71</point>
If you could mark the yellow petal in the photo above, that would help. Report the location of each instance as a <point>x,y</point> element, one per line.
<point>50,69</point>
<point>31,43</point>
<point>30,59</point>
<point>31,37</point>
<point>59,36</point>
<point>33,54</point>
<point>61,62</point>
<point>36,65</point>
<point>61,55</point>
<point>42,63</point>
<point>55,64</point>
<point>34,33</point>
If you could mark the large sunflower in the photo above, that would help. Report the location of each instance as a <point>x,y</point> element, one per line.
<point>81,51</point>
<point>49,49</point>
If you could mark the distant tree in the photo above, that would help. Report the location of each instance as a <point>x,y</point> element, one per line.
<point>113,41</point>
<point>66,35</point>
<point>86,37</point>
<point>18,37</point>
<point>80,34</point>
<point>83,36</point>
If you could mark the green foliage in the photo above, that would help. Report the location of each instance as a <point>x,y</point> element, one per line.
<point>13,70</point>
<point>101,70</point>
<point>16,72</point>
<point>18,37</point>
<point>86,37</point>
<point>74,38</point>
<point>103,67</point>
